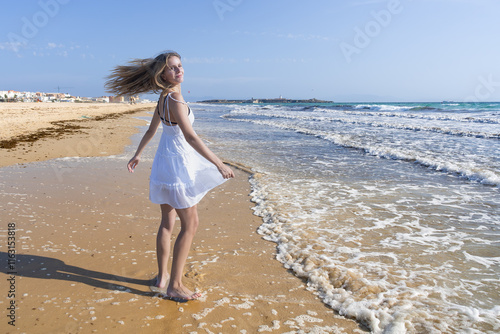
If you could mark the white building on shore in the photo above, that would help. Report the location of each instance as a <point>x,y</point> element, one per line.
<point>16,96</point>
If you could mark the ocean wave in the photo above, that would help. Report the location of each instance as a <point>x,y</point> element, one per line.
<point>467,171</point>
<point>403,112</point>
<point>395,246</point>
<point>397,300</point>
<point>380,124</point>
<point>385,107</point>
<point>468,118</point>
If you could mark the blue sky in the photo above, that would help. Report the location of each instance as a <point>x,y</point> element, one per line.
<point>361,50</point>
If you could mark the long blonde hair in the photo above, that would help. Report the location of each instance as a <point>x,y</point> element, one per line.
<point>140,76</point>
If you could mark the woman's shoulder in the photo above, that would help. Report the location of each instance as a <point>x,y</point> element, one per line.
<point>176,96</point>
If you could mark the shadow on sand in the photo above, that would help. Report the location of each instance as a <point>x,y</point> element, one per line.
<point>48,268</point>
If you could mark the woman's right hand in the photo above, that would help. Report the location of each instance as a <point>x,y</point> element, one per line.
<point>132,164</point>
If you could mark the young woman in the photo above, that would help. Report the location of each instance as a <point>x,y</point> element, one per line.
<point>184,169</point>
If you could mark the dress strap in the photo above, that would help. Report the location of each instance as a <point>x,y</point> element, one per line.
<point>159,114</point>
<point>167,111</point>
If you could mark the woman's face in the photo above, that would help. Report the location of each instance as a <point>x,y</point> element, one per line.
<point>174,72</point>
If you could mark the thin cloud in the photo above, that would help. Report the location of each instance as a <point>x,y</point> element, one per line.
<point>208,60</point>
<point>47,50</point>
<point>12,46</point>
<point>367,2</point>
<point>54,46</point>
<point>222,60</point>
<point>232,80</point>
<point>291,36</point>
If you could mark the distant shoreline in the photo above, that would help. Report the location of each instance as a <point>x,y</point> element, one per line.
<point>277,100</point>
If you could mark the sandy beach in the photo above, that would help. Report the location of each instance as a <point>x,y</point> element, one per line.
<point>71,130</point>
<point>85,233</point>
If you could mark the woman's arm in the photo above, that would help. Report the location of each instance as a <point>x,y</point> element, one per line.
<point>180,113</point>
<point>153,127</point>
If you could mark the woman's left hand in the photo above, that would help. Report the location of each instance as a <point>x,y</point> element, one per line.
<point>226,172</point>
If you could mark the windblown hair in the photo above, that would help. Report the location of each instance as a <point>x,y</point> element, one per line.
<point>140,76</point>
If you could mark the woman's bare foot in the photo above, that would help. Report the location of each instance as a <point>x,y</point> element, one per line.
<point>182,294</point>
<point>163,283</point>
<point>160,286</point>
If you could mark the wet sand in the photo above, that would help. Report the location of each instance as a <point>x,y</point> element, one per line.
<point>85,253</point>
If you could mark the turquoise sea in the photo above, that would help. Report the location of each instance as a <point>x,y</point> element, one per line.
<point>390,211</point>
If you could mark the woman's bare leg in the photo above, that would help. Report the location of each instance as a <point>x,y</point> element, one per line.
<point>163,244</point>
<point>189,225</point>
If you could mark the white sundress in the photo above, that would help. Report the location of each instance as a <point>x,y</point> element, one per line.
<point>180,176</point>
